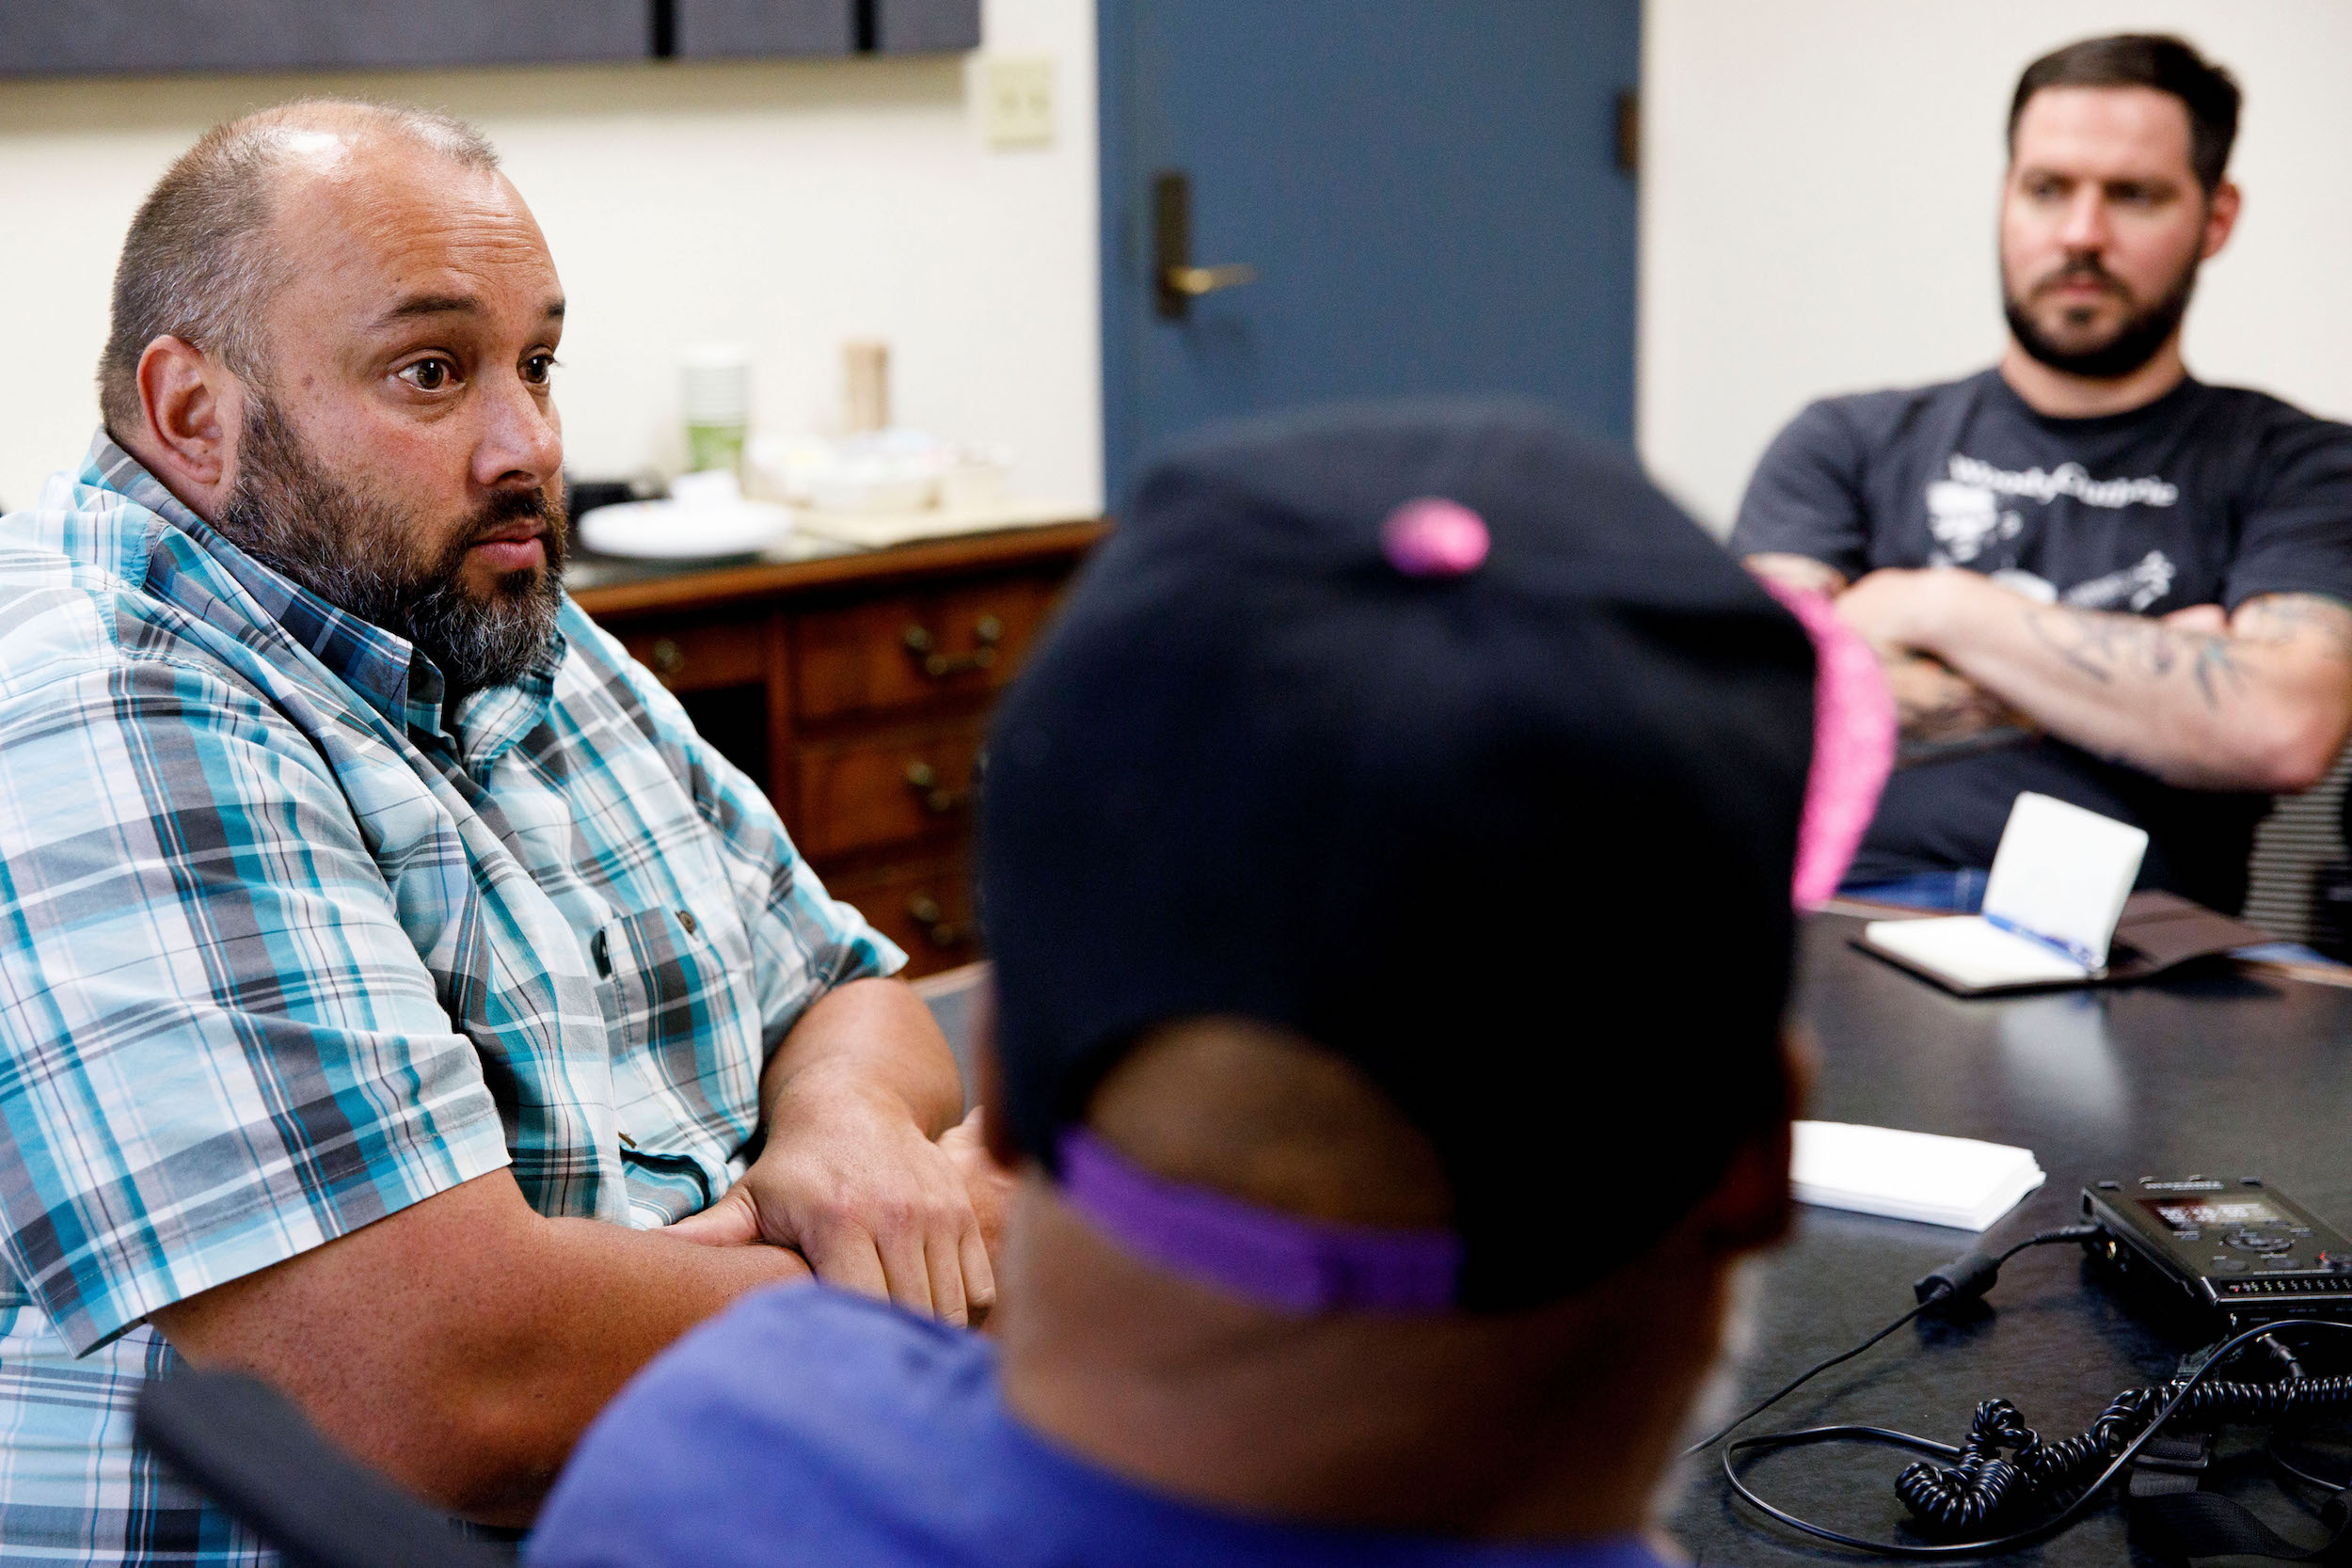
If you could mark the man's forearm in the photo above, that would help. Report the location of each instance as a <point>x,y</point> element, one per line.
<point>1938,712</point>
<point>852,1173</point>
<point>2257,706</point>
<point>629,1295</point>
<point>870,1036</point>
<point>463,1344</point>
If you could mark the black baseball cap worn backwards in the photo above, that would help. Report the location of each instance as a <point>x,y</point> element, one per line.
<point>1436,734</point>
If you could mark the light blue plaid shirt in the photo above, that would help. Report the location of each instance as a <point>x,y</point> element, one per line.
<point>285,947</point>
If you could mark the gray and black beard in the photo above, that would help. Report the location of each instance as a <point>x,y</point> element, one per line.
<point>358,554</point>
<point>2133,343</point>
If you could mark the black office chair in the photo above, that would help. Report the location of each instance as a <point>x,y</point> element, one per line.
<point>245,1446</point>
<point>2300,880</point>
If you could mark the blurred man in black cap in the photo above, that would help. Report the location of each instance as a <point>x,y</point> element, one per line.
<point>1374,758</point>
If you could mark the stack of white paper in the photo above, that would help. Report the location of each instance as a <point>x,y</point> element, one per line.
<point>1910,1176</point>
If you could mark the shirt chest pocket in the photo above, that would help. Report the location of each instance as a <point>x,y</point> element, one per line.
<point>683,1020</point>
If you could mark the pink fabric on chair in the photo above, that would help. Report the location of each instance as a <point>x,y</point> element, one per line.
<point>1853,746</point>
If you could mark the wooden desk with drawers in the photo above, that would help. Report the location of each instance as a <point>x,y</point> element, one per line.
<point>856,690</point>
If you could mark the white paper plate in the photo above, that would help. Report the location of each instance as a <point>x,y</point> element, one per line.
<point>666,531</point>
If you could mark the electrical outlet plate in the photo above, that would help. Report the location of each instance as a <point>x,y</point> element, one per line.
<point>1017,99</point>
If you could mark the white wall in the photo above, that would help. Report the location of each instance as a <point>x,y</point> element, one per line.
<point>1818,193</point>
<point>786,205</point>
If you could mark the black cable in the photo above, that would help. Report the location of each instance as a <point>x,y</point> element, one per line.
<point>2293,1370</point>
<point>2288,1366</point>
<point>2066,1461</point>
<point>1961,1280</point>
<point>2295,1472</point>
<point>2006,1466</point>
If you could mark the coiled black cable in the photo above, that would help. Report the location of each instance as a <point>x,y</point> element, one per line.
<point>1994,1487</point>
<point>2005,1465</point>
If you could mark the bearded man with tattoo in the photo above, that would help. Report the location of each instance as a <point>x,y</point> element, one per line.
<point>2088,574</point>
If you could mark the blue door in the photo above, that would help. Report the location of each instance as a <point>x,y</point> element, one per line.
<point>1312,199</point>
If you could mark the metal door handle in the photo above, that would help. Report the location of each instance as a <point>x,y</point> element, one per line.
<point>1196,281</point>
<point>1175,281</point>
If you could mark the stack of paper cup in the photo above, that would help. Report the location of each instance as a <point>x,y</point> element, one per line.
<point>718,399</point>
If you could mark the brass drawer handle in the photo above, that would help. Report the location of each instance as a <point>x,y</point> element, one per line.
<point>667,658</point>
<point>923,648</point>
<point>923,778</point>
<point>937,928</point>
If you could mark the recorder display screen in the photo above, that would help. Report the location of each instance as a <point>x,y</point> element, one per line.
<point>2194,1213</point>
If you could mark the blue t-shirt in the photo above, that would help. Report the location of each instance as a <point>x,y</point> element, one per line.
<point>804,1425</point>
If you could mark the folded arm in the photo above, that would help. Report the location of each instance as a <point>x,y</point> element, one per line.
<point>259,1132</point>
<point>2261,702</point>
<point>462,1343</point>
<point>866,1167</point>
<point>1938,712</point>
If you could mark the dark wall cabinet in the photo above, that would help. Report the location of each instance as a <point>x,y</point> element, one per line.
<point>53,38</point>
<point>267,35</point>
<point>718,29</point>
<point>920,26</point>
<point>725,29</point>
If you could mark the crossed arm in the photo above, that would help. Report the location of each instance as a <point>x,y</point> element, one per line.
<point>2257,699</point>
<point>462,1343</point>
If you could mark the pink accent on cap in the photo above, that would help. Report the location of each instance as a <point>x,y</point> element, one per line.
<point>1433,537</point>
<point>1853,746</point>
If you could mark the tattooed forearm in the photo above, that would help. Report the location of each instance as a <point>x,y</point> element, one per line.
<point>2216,667</point>
<point>2259,698</point>
<point>2109,648</point>
<point>2285,617</point>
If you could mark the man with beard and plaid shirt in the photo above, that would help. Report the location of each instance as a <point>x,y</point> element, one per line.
<point>398,999</point>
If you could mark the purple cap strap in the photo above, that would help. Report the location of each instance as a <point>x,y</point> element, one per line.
<point>1278,1260</point>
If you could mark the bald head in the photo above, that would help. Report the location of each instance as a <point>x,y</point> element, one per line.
<point>200,262</point>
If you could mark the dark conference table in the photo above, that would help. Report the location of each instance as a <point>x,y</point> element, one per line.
<point>2226,1073</point>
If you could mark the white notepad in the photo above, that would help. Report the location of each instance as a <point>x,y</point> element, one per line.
<point>1976,953</point>
<point>2056,891</point>
<point>1961,1182</point>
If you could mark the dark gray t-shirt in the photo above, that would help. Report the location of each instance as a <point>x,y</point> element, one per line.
<point>2209,495</point>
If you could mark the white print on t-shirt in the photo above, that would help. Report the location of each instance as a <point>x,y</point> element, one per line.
<point>1964,519</point>
<point>2066,478</point>
<point>2137,586</point>
<point>2038,590</point>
